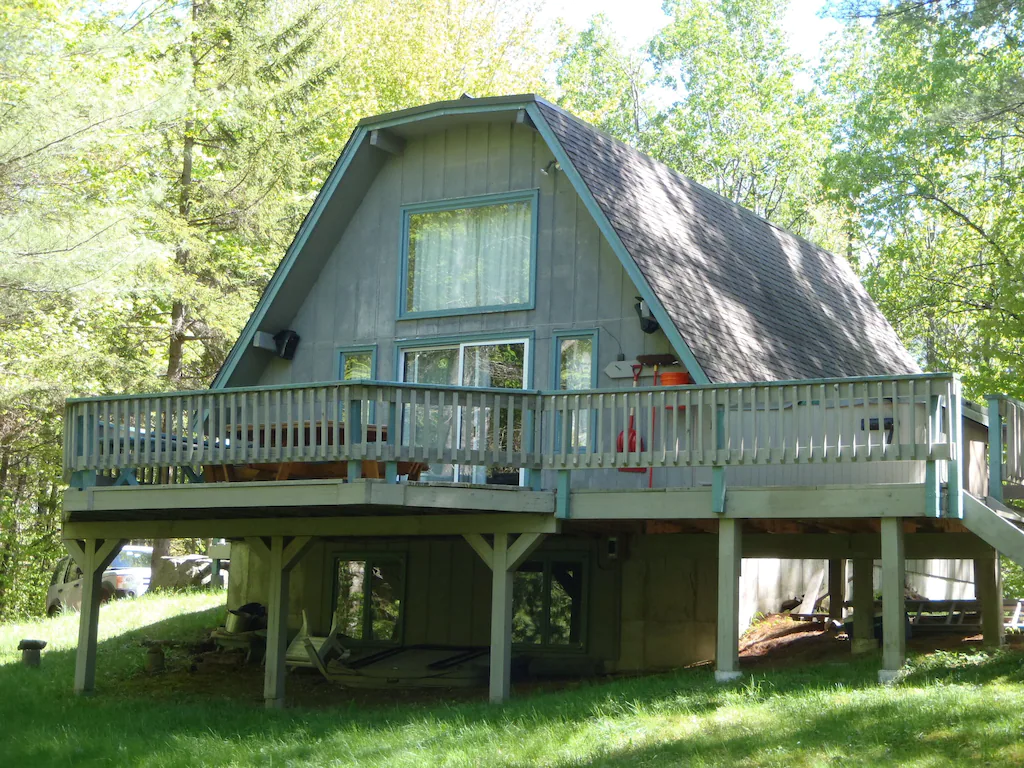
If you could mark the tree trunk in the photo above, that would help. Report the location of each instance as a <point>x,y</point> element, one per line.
<point>158,574</point>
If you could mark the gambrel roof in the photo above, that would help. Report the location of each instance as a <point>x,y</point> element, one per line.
<point>739,298</point>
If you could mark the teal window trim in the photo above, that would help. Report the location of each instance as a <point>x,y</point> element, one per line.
<point>369,557</point>
<point>454,204</point>
<point>556,379</point>
<point>342,352</point>
<point>545,559</point>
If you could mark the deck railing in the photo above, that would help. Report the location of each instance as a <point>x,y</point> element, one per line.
<point>1006,443</point>
<point>834,420</point>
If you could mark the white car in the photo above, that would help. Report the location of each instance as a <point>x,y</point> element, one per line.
<point>127,576</point>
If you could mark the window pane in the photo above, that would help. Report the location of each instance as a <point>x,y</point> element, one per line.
<point>431,366</point>
<point>528,604</point>
<point>500,366</point>
<point>575,363</point>
<point>357,365</point>
<point>386,599</point>
<point>469,257</point>
<point>566,610</point>
<point>575,367</point>
<point>349,606</point>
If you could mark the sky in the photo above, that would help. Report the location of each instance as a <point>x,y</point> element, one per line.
<point>637,20</point>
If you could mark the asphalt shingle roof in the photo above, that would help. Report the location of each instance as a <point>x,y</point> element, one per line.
<point>752,301</point>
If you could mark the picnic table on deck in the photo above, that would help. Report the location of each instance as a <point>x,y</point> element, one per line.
<point>310,435</point>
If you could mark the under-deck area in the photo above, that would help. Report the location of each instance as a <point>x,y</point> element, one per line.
<point>657,493</point>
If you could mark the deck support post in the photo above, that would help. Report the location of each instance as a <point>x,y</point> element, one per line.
<point>995,450</point>
<point>727,659</point>
<point>93,557</point>
<point>863,639</point>
<point>988,592</point>
<point>282,555</point>
<point>958,460</point>
<point>836,589</point>
<point>503,558</point>
<point>501,621</point>
<point>894,637</point>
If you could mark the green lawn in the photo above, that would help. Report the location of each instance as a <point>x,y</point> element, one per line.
<point>961,709</point>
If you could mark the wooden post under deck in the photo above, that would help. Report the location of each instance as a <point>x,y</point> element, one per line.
<point>727,659</point>
<point>988,592</point>
<point>281,555</point>
<point>836,589</point>
<point>501,621</point>
<point>503,559</point>
<point>894,638</point>
<point>863,639</point>
<point>93,556</point>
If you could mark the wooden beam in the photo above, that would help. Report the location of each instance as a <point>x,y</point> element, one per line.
<point>93,556</point>
<point>987,590</point>
<point>522,548</point>
<point>259,547</point>
<point>296,495</point>
<point>836,501</point>
<point>294,550</point>
<point>894,639</point>
<point>863,639</point>
<point>481,547</point>
<point>277,627</point>
<point>387,141</point>
<point>836,588</point>
<point>727,662</point>
<point>364,525</point>
<point>501,621</point>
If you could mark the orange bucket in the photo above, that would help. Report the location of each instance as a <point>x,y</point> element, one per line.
<point>675,378</point>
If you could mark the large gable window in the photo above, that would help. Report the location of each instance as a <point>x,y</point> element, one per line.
<point>471,255</point>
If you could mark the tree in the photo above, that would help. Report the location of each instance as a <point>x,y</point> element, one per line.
<point>930,163</point>
<point>605,85</point>
<point>742,125</point>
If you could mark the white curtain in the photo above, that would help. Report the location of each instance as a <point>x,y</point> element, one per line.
<point>470,257</point>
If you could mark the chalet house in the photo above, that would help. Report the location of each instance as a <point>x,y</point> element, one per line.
<point>517,387</point>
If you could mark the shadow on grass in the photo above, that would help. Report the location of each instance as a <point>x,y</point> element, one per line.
<point>799,714</point>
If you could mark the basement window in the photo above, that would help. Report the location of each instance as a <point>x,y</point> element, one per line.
<point>369,594</point>
<point>548,602</point>
<point>469,255</point>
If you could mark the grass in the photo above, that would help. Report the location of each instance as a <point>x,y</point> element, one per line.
<point>949,709</point>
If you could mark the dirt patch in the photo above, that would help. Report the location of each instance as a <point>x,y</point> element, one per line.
<point>779,641</point>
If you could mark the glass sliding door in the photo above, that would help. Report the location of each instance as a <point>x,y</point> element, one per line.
<point>489,364</point>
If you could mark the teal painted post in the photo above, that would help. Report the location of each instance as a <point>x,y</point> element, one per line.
<point>995,449</point>
<point>932,487</point>
<point>532,476</point>
<point>562,497</point>
<point>83,478</point>
<point>354,433</point>
<point>718,472</point>
<point>955,482</point>
<point>393,439</point>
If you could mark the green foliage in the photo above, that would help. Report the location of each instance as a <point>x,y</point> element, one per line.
<point>950,709</point>
<point>155,162</point>
<point>928,161</point>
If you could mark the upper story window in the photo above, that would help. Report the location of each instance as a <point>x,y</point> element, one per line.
<point>470,255</point>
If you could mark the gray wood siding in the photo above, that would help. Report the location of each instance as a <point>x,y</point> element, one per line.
<point>580,285</point>
<point>580,282</point>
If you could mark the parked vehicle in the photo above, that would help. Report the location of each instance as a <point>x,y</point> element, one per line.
<point>127,576</point>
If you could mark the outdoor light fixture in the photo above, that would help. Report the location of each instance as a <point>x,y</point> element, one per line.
<point>282,343</point>
<point>546,170</point>
<point>648,324</point>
